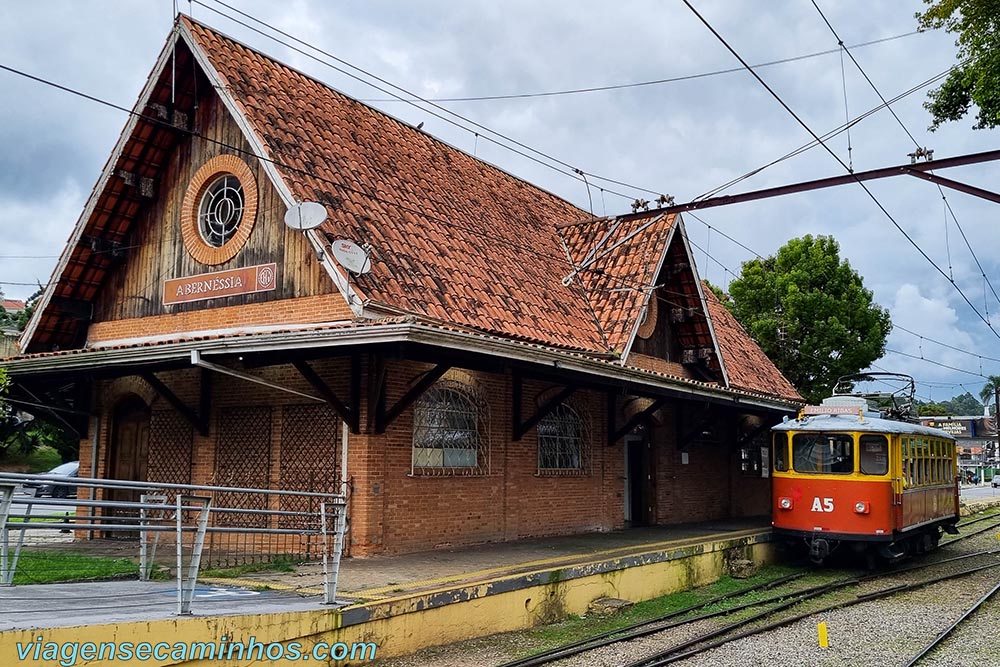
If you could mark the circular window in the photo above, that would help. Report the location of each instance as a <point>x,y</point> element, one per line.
<point>219,209</point>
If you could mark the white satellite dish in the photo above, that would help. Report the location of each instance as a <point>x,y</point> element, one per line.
<point>304,216</point>
<point>351,256</point>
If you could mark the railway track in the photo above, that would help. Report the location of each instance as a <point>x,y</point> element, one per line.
<point>780,602</point>
<point>944,634</point>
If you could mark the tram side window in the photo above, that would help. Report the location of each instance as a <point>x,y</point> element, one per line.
<point>823,453</point>
<point>907,462</point>
<point>780,454</point>
<point>874,454</point>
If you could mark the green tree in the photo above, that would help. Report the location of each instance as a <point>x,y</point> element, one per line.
<point>933,410</point>
<point>966,404</point>
<point>810,313</point>
<point>976,78</point>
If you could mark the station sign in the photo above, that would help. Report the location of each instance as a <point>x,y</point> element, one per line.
<point>246,280</point>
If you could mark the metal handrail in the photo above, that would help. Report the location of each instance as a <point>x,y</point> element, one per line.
<point>155,486</point>
<point>152,516</point>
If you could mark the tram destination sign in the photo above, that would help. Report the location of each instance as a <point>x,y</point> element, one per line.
<point>246,280</point>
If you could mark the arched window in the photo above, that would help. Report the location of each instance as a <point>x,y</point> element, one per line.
<point>563,442</point>
<point>449,434</point>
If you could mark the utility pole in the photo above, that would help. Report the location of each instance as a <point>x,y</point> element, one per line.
<point>996,422</point>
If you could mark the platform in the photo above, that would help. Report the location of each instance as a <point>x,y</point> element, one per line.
<point>405,602</point>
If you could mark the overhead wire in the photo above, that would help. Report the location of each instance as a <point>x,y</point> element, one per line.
<point>833,154</point>
<point>916,144</point>
<point>444,110</point>
<point>653,82</point>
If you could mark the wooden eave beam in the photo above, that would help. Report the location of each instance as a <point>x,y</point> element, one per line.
<point>520,428</point>
<point>196,420</point>
<point>629,426</point>
<point>349,411</point>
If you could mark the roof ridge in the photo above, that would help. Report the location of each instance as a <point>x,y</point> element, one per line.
<point>376,110</point>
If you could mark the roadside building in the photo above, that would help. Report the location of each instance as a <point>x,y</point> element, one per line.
<point>976,442</point>
<point>8,333</point>
<point>501,364</point>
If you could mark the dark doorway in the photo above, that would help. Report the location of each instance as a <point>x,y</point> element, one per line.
<point>637,481</point>
<point>128,455</point>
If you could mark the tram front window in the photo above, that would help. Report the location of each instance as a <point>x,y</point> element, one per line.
<point>780,455</point>
<point>823,453</point>
<point>874,455</point>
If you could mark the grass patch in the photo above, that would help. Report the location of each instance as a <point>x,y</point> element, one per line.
<point>42,518</point>
<point>46,567</point>
<point>577,627</point>
<point>279,564</point>
<point>42,459</point>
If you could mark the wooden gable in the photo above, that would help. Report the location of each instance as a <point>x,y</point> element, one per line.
<point>675,334</point>
<point>129,241</point>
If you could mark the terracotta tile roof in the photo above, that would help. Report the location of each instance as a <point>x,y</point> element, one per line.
<point>746,364</point>
<point>443,224</point>
<point>13,305</point>
<point>615,279</point>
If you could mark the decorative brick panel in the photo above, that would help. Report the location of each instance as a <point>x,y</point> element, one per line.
<point>205,176</point>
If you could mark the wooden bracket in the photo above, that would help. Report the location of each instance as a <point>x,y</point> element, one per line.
<point>519,428</point>
<point>750,435</point>
<point>383,417</point>
<point>198,421</point>
<point>687,437</point>
<point>350,412</point>
<point>636,419</point>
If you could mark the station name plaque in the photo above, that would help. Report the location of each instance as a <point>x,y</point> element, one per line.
<point>249,279</point>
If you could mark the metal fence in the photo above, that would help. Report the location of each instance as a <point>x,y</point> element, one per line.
<point>200,525</point>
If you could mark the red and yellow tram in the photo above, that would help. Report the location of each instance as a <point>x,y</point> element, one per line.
<point>846,477</point>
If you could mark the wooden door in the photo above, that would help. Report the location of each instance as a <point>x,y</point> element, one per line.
<point>128,456</point>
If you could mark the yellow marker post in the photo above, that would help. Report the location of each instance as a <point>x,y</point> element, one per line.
<point>823,640</point>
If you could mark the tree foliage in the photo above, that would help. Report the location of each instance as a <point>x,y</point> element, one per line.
<point>810,313</point>
<point>965,405</point>
<point>975,80</point>
<point>988,392</point>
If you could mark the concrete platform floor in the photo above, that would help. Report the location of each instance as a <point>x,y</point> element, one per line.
<point>55,605</point>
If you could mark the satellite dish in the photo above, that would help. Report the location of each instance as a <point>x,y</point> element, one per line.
<point>304,216</point>
<point>351,256</point>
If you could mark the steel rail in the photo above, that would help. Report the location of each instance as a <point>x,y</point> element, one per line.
<point>645,628</point>
<point>641,628</point>
<point>672,655</point>
<point>951,628</point>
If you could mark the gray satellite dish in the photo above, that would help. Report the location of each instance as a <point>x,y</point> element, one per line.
<point>304,216</point>
<point>351,256</point>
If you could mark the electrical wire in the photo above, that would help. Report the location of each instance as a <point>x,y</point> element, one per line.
<point>950,347</point>
<point>653,82</point>
<point>572,173</point>
<point>833,154</point>
<point>916,144</point>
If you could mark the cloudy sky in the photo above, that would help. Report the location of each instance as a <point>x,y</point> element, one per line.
<point>682,138</point>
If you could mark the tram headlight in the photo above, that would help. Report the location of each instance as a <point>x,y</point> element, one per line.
<point>861,507</point>
<point>785,503</point>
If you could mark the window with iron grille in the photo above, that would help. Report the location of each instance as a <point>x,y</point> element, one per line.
<point>450,433</point>
<point>563,442</point>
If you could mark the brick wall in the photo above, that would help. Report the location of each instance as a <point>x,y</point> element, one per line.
<point>394,511</point>
<point>301,310</point>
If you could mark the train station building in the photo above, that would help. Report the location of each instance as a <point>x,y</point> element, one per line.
<point>497,364</point>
